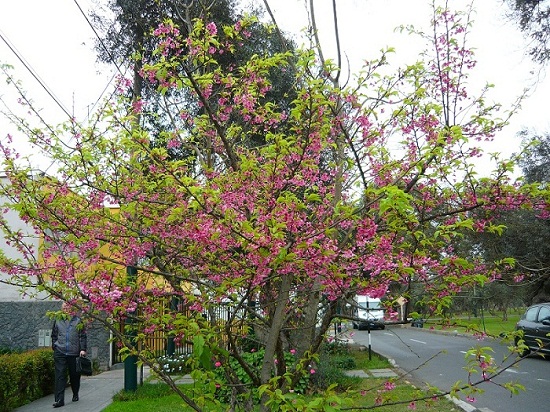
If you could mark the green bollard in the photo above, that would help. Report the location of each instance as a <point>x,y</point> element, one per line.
<point>130,362</point>
<point>130,373</point>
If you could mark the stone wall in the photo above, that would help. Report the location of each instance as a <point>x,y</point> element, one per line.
<point>25,325</point>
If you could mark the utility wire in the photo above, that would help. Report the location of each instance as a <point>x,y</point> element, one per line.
<point>43,84</point>
<point>99,38</point>
<point>33,73</point>
<point>120,71</point>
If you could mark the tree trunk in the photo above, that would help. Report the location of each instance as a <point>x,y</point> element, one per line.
<point>273,336</point>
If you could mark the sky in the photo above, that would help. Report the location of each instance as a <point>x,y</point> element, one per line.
<point>57,42</point>
<point>366,26</point>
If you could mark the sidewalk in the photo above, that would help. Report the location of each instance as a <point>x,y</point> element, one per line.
<point>96,393</point>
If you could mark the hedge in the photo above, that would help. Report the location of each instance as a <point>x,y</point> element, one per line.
<point>25,377</point>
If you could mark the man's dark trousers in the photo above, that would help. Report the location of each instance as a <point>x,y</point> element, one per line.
<point>62,363</point>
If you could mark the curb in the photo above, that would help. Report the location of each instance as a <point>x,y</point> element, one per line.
<point>465,406</point>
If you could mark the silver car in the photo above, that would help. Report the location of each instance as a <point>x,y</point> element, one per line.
<point>535,324</point>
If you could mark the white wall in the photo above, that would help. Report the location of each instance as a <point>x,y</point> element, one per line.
<point>8,292</point>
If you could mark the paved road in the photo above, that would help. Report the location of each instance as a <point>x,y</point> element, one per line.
<point>438,359</point>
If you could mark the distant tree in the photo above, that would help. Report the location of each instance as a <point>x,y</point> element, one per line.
<point>127,27</point>
<point>525,235</point>
<point>128,36</point>
<point>526,239</point>
<point>534,236</point>
<point>503,297</point>
<point>533,18</point>
<point>535,163</point>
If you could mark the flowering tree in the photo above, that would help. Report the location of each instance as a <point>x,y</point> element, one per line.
<point>355,190</point>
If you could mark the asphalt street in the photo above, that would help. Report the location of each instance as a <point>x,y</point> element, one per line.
<point>439,359</point>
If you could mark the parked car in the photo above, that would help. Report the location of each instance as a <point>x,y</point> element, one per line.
<point>417,322</point>
<point>535,324</point>
<point>369,324</point>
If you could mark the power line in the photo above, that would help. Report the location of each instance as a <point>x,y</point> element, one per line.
<point>42,83</point>
<point>113,60</point>
<point>33,73</point>
<point>99,38</point>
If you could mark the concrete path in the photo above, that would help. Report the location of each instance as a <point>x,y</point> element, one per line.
<point>96,393</point>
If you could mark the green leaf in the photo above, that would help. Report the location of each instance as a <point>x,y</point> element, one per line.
<point>198,345</point>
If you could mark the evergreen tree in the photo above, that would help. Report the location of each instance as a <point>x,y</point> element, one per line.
<point>533,18</point>
<point>129,37</point>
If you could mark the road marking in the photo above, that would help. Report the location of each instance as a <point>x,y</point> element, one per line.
<point>515,371</point>
<point>418,341</point>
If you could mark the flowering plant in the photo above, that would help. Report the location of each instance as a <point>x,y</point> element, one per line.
<point>349,191</point>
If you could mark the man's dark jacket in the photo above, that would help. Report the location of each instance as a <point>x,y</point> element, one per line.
<point>69,336</point>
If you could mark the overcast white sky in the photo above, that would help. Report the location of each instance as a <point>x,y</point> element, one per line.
<point>56,41</point>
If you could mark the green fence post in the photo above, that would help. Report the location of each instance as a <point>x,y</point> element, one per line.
<point>170,344</point>
<point>130,362</point>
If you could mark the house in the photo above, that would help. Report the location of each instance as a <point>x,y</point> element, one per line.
<point>24,321</point>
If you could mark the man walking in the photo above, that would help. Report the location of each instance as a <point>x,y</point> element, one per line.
<point>69,341</point>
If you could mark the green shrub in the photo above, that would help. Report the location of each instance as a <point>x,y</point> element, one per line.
<point>6,351</point>
<point>25,377</point>
<point>346,362</point>
<point>335,347</point>
<point>328,373</point>
<point>254,360</point>
<point>334,359</point>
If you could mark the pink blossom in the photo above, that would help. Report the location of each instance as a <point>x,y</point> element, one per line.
<point>519,278</point>
<point>389,386</point>
<point>211,28</point>
<point>137,106</point>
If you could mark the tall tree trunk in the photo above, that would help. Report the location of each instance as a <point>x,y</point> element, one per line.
<point>274,335</point>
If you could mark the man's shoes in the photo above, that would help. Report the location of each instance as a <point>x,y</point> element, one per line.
<point>75,398</point>
<point>58,404</point>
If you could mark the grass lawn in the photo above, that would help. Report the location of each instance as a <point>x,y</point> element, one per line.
<point>158,398</point>
<point>361,392</point>
<point>491,325</point>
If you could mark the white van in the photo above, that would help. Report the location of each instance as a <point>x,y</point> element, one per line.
<point>368,313</point>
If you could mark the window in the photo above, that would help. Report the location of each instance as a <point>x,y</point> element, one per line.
<point>544,313</point>
<point>531,314</point>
